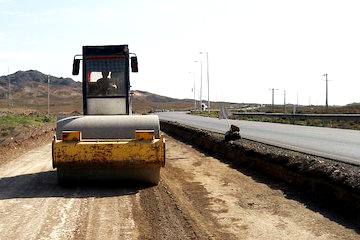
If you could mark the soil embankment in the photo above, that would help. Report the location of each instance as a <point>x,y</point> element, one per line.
<point>25,139</point>
<point>328,182</point>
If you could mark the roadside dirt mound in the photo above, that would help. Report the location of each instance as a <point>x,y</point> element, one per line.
<point>329,182</point>
<point>25,139</point>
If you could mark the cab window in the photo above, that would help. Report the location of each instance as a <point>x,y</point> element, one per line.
<point>106,77</point>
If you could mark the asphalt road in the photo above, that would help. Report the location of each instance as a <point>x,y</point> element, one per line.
<point>337,144</point>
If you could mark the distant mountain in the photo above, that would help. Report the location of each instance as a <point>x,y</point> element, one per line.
<point>145,102</point>
<point>21,79</point>
<point>29,90</point>
<point>32,78</point>
<point>152,97</point>
<point>354,104</point>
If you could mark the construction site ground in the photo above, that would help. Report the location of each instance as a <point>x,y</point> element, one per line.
<point>198,197</point>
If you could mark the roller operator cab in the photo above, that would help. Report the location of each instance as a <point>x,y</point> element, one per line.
<point>108,141</point>
<point>106,84</point>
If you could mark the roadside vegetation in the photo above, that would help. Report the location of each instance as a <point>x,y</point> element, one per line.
<point>309,122</point>
<point>353,108</point>
<point>12,123</point>
<point>347,109</point>
<point>355,125</point>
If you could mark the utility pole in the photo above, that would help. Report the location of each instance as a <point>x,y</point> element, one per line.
<point>9,101</point>
<point>194,87</point>
<point>295,107</point>
<point>48,96</point>
<point>326,80</point>
<point>297,99</point>
<point>284,101</point>
<point>194,91</point>
<point>273,98</point>
<point>208,81</point>
<point>201,82</point>
<point>207,76</point>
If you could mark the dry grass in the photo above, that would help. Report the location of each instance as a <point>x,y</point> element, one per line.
<point>11,122</point>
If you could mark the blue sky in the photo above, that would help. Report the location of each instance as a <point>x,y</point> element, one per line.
<point>253,45</point>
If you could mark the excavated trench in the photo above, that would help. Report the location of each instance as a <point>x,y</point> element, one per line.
<point>331,184</point>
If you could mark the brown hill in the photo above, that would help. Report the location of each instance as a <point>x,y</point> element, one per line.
<point>32,78</point>
<point>29,91</point>
<point>149,102</point>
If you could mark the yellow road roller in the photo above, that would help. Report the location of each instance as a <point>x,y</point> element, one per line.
<point>108,142</point>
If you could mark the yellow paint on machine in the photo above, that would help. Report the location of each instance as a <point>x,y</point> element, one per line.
<point>123,153</point>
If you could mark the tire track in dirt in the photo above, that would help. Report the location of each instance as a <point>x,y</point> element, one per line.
<point>160,217</point>
<point>34,206</point>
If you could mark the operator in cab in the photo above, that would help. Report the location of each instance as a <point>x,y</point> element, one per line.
<point>104,85</point>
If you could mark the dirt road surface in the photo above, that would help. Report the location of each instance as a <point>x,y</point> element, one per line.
<point>198,198</point>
